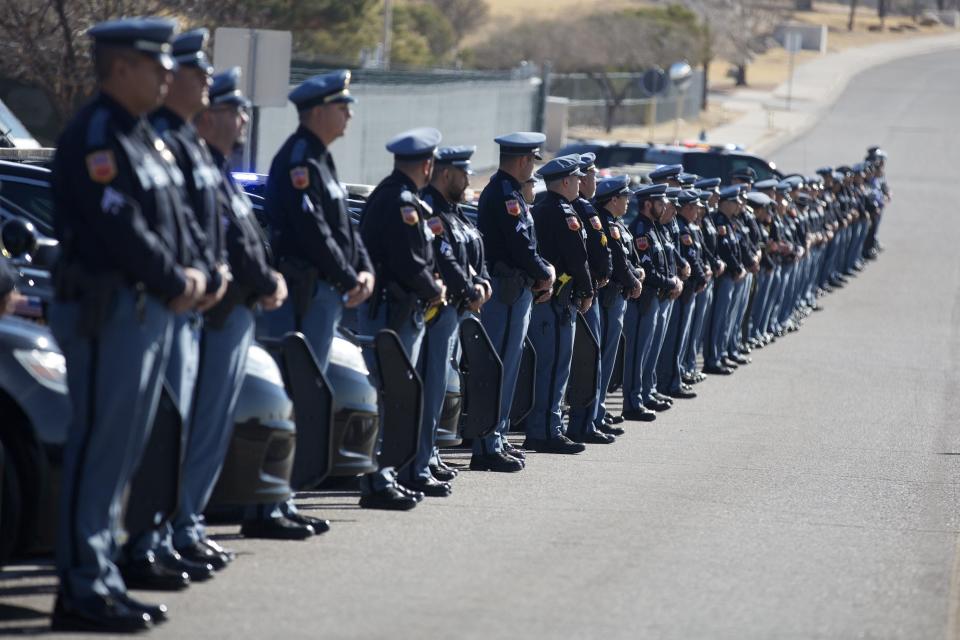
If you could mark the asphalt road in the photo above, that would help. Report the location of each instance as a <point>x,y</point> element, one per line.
<point>811,495</point>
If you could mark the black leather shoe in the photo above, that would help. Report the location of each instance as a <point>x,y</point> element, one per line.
<point>641,415</point>
<point>148,573</point>
<point>513,451</point>
<point>157,612</point>
<point>701,376</point>
<point>442,474</point>
<point>432,487</point>
<point>661,397</point>
<point>198,571</point>
<point>722,370</point>
<point>281,528</point>
<point>98,614</point>
<point>657,405</point>
<point>689,379</point>
<point>730,363</point>
<point>684,394</point>
<point>199,552</point>
<point>497,461</point>
<point>391,499</point>
<point>610,430</point>
<point>319,525</point>
<point>741,360</point>
<point>416,495</point>
<point>594,437</point>
<point>560,444</point>
<point>213,544</point>
<point>615,419</point>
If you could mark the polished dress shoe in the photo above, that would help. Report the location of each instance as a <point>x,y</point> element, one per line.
<point>615,419</point>
<point>641,415</point>
<point>730,363</point>
<point>319,525</point>
<point>198,571</point>
<point>281,528</point>
<point>722,370</point>
<point>157,612</point>
<point>99,614</point>
<point>593,437</point>
<point>496,461</point>
<point>689,379</point>
<point>148,573</point>
<point>560,444</point>
<point>683,394</point>
<point>230,554</point>
<point>661,397</point>
<point>416,495</point>
<point>431,487</point>
<point>444,474</point>
<point>201,553</point>
<point>657,405</point>
<point>611,430</point>
<point>701,376</point>
<point>741,360</point>
<point>391,499</point>
<point>511,450</point>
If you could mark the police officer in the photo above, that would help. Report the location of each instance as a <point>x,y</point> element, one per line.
<point>582,426</point>
<point>643,313</point>
<point>228,327</point>
<point>626,283</point>
<point>728,249</point>
<point>121,278</point>
<point>394,229</point>
<point>517,270</point>
<point>451,176</point>
<point>321,255</point>
<point>317,249</point>
<point>709,188</point>
<point>153,563</point>
<point>561,239</point>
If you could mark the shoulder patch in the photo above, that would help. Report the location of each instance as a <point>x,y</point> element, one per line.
<point>300,177</point>
<point>435,225</point>
<point>642,243</point>
<point>101,166</point>
<point>97,128</point>
<point>410,215</point>
<point>615,232</point>
<point>298,153</point>
<point>595,223</point>
<point>573,223</point>
<point>513,207</point>
<point>686,239</point>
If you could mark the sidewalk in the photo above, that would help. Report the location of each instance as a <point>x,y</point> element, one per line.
<point>767,124</point>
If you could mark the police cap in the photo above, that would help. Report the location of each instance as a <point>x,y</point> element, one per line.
<point>825,171</point>
<point>757,199</point>
<point>687,180</point>
<point>521,143</point>
<point>188,50</point>
<point>688,196</point>
<point>744,173</point>
<point>673,193</point>
<point>763,185</point>
<point>611,187</point>
<point>665,172</point>
<point>707,183</point>
<point>784,187</point>
<point>415,144</point>
<point>149,36</point>
<point>561,168</point>
<point>326,88</point>
<point>225,89</point>
<point>651,192</point>
<point>456,156</point>
<point>731,192</point>
<point>588,161</point>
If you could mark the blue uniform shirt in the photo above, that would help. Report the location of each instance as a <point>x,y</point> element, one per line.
<point>507,227</point>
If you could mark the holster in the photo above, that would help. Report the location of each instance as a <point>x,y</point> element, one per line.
<point>401,305</point>
<point>609,294</point>
<point>511,283</point>
<point>95,293</point>
<point>302,278</point>
<point>563,291</point>
<point>216,317</point>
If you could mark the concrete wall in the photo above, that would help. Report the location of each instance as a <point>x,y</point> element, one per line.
<point>467,113</point>
<point>813,37</point>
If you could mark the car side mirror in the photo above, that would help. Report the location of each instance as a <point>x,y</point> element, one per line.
<point>18,238</point>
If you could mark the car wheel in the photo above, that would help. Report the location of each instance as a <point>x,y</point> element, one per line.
<point>10,511</point>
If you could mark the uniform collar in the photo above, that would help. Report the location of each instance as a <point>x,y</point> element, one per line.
<point>503,175</point>
<point>121,116</point>
<point>172,116</point>
<point>404,179</point>
<point>442,204</point>
<point>318,147</point>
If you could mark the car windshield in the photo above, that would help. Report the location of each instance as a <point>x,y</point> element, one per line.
<point>30,198</point>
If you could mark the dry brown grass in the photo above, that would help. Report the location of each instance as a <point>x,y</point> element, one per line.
<point>665,132</point>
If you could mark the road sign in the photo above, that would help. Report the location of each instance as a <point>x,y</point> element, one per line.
<point>264,56</point>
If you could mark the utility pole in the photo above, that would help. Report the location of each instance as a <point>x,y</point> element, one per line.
<point>387,32</point>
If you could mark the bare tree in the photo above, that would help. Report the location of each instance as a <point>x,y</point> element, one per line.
<point>463,15</point>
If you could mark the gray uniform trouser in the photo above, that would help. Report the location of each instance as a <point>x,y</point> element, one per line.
<point>114,381</point>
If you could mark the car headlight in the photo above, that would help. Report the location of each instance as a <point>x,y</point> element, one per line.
<point>346,354</point>
<point>262,365</point>
<point>49,368</point>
